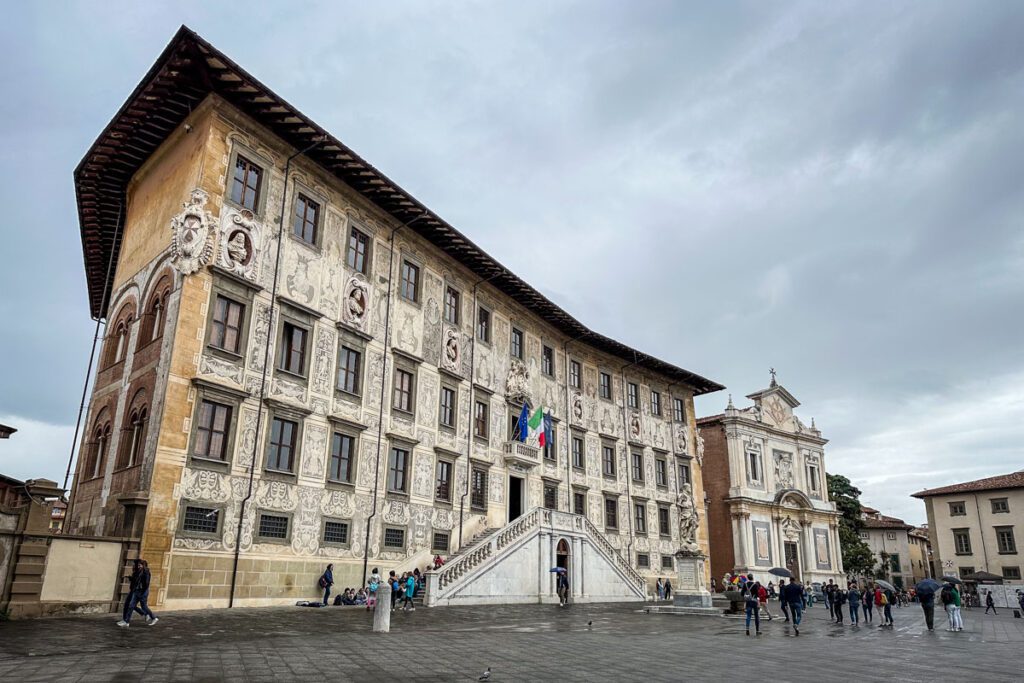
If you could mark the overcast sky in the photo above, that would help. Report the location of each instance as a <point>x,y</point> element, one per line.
<point>830,189</point>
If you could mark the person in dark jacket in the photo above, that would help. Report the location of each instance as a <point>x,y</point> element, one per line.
<point>139,596</point>
<point>326,581</point>
<point>129,601</point>
<point>753,606</point>
<point>838,600</point>
<point>927,599</point>
<point>792,597</point>
<point>668,589</point>
<point>869,602</point>
<point>990,604</point>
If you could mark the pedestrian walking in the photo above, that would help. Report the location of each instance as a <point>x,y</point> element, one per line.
<point>853,600</point>
<point>927,599</point>
<point>752,604</point>
<point>783,602</point>
<point>372,585</point>
<point>838,600</point>
<point>869,602</point>
<point>393,582</point>
<point>326,581</point>
<point>133,585</point>
<point>990,604</point>
<point>139,597</point>
<point>660,588</point>
<point>829,593</point>
<point>562,583</point>
<point>950,597</point>
<point>793,596</point>
<point>410,591</point>
<point>762,600</point>
<point>668,589</point>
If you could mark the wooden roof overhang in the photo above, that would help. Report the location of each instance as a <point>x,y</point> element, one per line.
<point>186,72</point>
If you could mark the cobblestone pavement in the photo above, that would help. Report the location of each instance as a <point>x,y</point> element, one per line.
<point>522,643</point>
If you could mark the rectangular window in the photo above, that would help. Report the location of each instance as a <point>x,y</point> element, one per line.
<point>962,541</point>
<point>966,571</point>
<point>336,533</point>
<point>551,496</point>
<point>478,489</point>
<point>547,361</point>
<point>342,450</point>
<point>754,467</point>
<point>577,452</point>
<point>605,386</point>
<point>643,560</point>
<point>638,467</point>
<point>443,481</point>
<point>226,325</point>
<point>212,431</point>
<point>1004,540</point>
<point>480,418</point>
<point>293,349</point>
<point>812,478</point>
<point>640,518</point>
<point>574,374</point>
<point>667,562</point>
<point>516,344</point>
<point>273,526</point>
<point>608,460</point>
<point>655,404</point>
<point>402,399</point>
<point>894,562</point>
<point>394,538</point>
<point>957,509</point>
<point>358,255</point>
<point>1000,505</point>
<point>245,189</point>
<point>890,536</point>
<point>440,542</point>
<point>631,395</point>
<point>664,522</point>
<point>483,325</point>
<point>410,282</point>
<point>611,513</point>
<point>306,219</point>
<point>660,472</point>
<point>678,412</point>
<point>1011,573</point>
<point>201,520</point>
<point>349,369</point>
<point>451,305</point>
<point>398,468</point>
<point>283,436</point>
<point>684,473</point>
<point>579,503</point>
<point>865,535</point>
<point>447,408</point>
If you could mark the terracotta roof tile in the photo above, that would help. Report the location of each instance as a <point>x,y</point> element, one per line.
<point>1014,480</point>
<point>884,522</point>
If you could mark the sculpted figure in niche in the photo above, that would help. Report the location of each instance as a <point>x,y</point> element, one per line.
<point>634,426</point>
<point>357,302</point>
<point>689,519</point>
<point>784,469</point>
<point>238,250</point>
<point>452,355</point>
<point>700,448</point>
<point>682,437</point>
<point>517,384</point>
<point>577,406</point>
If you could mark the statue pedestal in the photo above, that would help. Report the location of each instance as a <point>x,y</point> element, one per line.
<point>691,590</point>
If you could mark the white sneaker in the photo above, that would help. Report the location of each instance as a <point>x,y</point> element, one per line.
<point>151,622</point>
<point>123,624</point>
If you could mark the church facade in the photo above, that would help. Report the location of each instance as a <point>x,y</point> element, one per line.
<point>768,504</point>
<point>303,365</point>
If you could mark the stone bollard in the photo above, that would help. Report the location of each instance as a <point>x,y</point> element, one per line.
<point>382,612</point>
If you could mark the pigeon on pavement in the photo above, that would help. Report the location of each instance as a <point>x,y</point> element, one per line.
<point>485,676</point>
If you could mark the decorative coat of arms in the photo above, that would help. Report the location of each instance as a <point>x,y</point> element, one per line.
<point>239,240</point>
<point>784,469</point>
<point>192,235</point>
<point>356,302</point>
<point>517,384</point>
<point>451,352</point>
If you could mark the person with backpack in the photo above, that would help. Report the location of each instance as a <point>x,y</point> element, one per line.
<point>853,599</point>
<point>752,604</point>
<point>950,597</point>
<point>326,581</point>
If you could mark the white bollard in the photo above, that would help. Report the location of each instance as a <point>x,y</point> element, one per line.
<point>382,612</point>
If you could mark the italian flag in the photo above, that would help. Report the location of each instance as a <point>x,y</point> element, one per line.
<point>536,424</point>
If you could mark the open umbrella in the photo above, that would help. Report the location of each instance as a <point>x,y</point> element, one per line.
<point>952,579</point>
<point>927,586</point>
<point>557,570</point>
<point>886,585</point>
<point>781,571</point>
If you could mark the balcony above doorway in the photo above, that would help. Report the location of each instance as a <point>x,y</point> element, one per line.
<point>520,454</point>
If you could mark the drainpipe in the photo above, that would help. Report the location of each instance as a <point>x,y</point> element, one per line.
<point>472,406</point>
<point>266,364</point>
<point>383,381</point>
<point>981,532</point>
<point>568,423</point>
<point>92,356</point>
<point>629,456</point>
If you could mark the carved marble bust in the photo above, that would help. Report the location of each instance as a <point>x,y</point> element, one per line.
<point>356,302</point>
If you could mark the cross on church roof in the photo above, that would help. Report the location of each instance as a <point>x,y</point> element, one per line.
<point>772,372</point>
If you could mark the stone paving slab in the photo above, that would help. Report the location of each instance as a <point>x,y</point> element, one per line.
<point>519,643</point>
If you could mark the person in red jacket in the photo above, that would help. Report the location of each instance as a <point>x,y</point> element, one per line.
<point>762,600</point>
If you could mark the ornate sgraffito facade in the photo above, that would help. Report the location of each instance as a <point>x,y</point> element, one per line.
<point>768,506</point>
<point>352,385</point>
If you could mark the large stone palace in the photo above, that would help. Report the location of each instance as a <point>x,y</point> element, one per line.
<point>303,364</point>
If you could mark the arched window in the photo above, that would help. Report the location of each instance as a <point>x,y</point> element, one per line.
<point>155,317</point>
<point>116,345</point>
<point>98,452</point>
<point>133,433</point>
<point>120,341</point>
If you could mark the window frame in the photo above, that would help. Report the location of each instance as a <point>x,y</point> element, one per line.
<point>453,424</point>
<point>965,534</point>
<point>1000,506</point>
<point>435,547</point>
<point>634,469</point>
<point>604,390</point>
<point>453,292</point>
<point>484,323</point>
<point>253,158</point>
<point>549,487</point>
<point>643,560</point>
<point>664,521</point>
<point>404,369</point>
<point>577,438</point>
<point>353,459</point>
<point>575,493</point>
<point>240,295</point>
<point>547,360</point>
<point>639,517</point>
<point>614,510</point>
<point>661,471</point>
<point>409,451</point>
<point>484,403</point>
<point>335,544</point>
<point>960,510</point>
<point>450,463</point>
<point>678,409</point>
<point>478,469</point>
<point>353,230</point>
<point>605,447</point>
<point>668,563</point>
<point>575,374</point>
<point>302,194</point>
<point>516,342</point>
<point>415,266</point>
<point>632,395</point>
<point>260,538</point>
<point>188,533</point>
<point>207,391</point>
<point>1011,546</point>
<point>655,403</point>
<point>384,536</point>
<point>285,416</point>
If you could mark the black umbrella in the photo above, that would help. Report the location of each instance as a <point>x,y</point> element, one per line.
<point>928,586</point>
<point>952,579</point>
<point>781,571</point>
